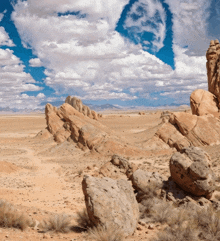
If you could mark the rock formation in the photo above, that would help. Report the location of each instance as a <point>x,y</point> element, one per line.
<point>203,102</point>
<point>191,170</point>
<point>213,68</point>
<point>111,203</point>
<point>78,105</point>
<point>68,123</point>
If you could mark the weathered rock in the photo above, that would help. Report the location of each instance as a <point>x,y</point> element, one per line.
<point>78,105</point>
<point>203,102</point>
<point>118,168</point>
<point>142,179</point>
<point>66,122</point>
<point>191,170</point>
<point>171,136</point>
<point>184,130</point>
<point>111,203</point>
<point>213,67</point>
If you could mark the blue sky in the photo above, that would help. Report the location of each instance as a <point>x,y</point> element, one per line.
<point>137,52</point>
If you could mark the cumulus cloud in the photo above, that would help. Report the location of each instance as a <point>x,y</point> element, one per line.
<point>36,62</point>
<point>14,81</point>
<point>190,24</point>
<point>84,55</point>
<point>147,16</point>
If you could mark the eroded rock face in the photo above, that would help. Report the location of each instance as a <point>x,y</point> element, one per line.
<point>213,68</point>
<point>191,170</point>
<point>203,102</point>
<point>111,203</point>
<point>184,130</point>
<point>78,105</point>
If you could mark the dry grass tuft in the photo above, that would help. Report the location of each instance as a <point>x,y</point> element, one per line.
<point>83,220</point>
<point>10,217</point>
<point>102,233</point>
<point>59,223</point>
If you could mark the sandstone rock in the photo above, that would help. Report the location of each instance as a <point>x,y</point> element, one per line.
<point>68,123</point>
<point>142,179</point>
<point>111,203</point>
<point>78,105</point>
<point>191,170</point>
<point>213,67</point>
<point>118,168</point>
<point>171,136</point>
<point>184,130</point>
<point>203,102</point>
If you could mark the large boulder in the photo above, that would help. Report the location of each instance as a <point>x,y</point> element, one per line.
<point>203,102</point>
<point>191,170</point>
<point>111,203</point>
<point>78,105</point>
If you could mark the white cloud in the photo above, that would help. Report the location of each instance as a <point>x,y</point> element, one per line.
<point>148,16</point>
<point>4,38</point>
<point>36,62</point>
<point>14,81</point>
<point>88,58</point>
<point>190,23</point>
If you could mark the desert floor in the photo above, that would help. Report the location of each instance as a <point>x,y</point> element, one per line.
<point>42,178</point>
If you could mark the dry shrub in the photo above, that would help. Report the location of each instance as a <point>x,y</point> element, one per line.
<point>181,233</point>
<point>157,210</point>
<point>83,220</point>
<point>10,217</point>
<point>208,223</point>
<point>59,223</point>
<point>103,233</point>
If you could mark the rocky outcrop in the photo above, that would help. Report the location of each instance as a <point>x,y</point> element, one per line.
<point>111,203</point>
<point>203,102</point>
<point>213,67</point>
<point>184,130</point>
<point>191,170</point>
<point>78,105</point>
<point>68,123</point>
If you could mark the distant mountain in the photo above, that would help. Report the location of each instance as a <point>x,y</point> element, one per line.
<point>91,106</point>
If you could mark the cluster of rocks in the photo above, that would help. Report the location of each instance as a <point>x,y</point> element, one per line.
<point>116,202</point>
<point>202,127</point>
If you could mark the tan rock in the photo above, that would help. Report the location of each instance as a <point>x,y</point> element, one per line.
<point>111,203</point>
<point>78,105</point>
<point>203,102</point>
<point>192,171</point>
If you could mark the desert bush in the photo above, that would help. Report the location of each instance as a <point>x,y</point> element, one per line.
<point>208,223</point>
<point>157,210</point>
<point>102,233</point>
<point>59,223</point>
<point>83,219</point>
<point>10,217</point>
<point>186,233</point>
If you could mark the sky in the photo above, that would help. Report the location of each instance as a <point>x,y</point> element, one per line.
<point>121,52</point>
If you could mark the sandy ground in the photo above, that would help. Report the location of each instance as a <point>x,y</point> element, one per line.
<point>42,178</point>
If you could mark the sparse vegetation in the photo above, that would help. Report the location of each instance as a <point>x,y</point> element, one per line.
<point>103,233</point>
<point>59,223</point>
<point>83,219</point>
<point>11,218</point>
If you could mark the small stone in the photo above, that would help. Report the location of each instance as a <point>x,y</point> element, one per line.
<point>151,226</point>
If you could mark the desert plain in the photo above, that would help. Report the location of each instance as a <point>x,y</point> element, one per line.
<point>42,179</point>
